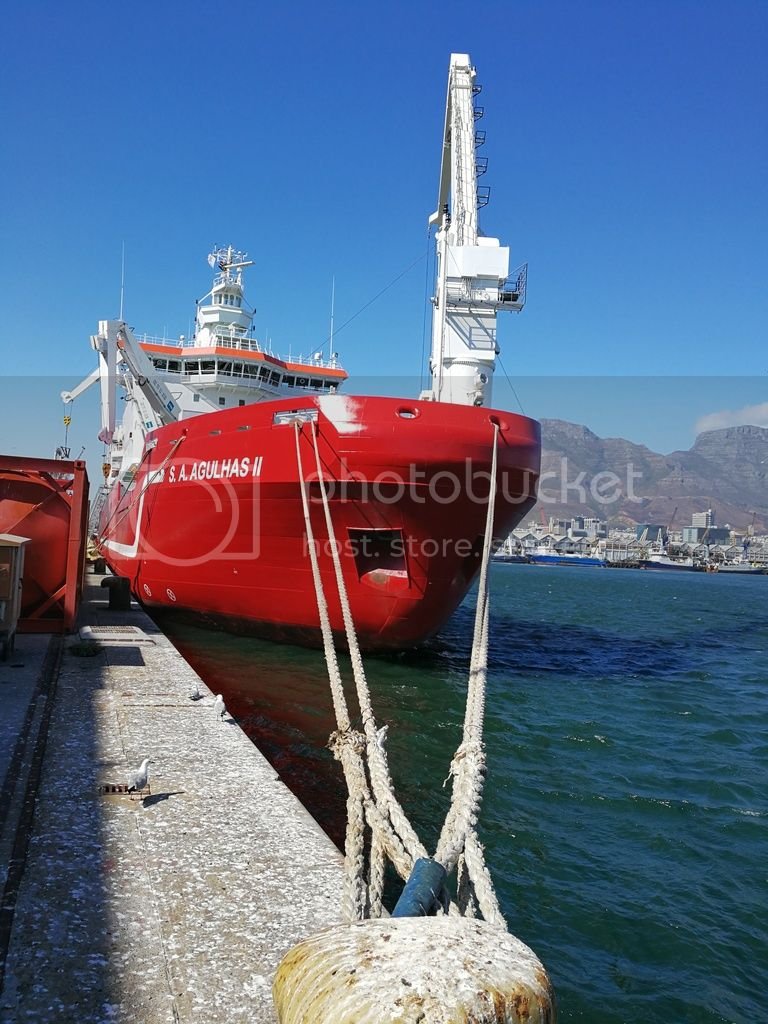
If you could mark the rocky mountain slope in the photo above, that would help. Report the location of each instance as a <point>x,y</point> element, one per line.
<point>616,480</point>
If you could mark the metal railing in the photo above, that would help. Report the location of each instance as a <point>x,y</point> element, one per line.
<point>243,344</point>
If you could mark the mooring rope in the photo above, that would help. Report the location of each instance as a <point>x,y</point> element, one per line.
<point>346,744</point>
<point>371,798</point>
<point>468,765</point>
<point>381,781</point>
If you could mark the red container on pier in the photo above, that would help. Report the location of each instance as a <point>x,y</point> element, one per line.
<point>47,501</point>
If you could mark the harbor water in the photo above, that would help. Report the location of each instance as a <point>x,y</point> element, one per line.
<point>625,814</point>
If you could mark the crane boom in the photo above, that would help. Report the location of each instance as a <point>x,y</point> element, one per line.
<point>472,269</point>
<point>69,396</point>
<point>115,344</point>
<point>458,171</point>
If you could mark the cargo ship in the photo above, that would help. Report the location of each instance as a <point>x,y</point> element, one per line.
<point>202,504</point>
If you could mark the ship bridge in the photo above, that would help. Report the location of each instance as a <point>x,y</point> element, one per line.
<point>242,361</point>
<point>224,363</point>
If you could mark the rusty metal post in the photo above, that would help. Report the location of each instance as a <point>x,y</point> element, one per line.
<point>437,970</point>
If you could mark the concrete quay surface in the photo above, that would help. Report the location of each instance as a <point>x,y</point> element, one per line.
<point>174,908</point>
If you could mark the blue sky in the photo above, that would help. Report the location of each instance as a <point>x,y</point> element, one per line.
<point>627,162</point>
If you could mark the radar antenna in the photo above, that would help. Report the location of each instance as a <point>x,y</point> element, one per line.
<point>226,258</point>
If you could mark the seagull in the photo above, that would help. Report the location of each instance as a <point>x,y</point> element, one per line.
<point>195,694</point>
<point>138,780</point>
<point>219,707</point>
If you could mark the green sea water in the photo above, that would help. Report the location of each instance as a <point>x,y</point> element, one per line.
<point>625,814</point>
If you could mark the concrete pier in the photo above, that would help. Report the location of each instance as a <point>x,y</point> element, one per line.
<point>174,908</point>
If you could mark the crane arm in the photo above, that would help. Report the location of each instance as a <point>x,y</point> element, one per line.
<point>70,396</point>
<point>143,371</point>
<point>115,343</point>
<point>445,164</point>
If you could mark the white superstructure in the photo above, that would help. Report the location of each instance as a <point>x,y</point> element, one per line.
<point>472,270</point>
<point>222,365</point>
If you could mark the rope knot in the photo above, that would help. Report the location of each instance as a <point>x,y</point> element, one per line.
<point>472,751</point>
<point>346,739</point>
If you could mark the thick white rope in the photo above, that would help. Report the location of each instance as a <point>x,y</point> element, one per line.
<point>468,765</point>
<point>348,747</point>
<point>482,883</point>
<point>371,794</point>
<point>337,687</point>
<point>355,897</point>
<point>381,781</point>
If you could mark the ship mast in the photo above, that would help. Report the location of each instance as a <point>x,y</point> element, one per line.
<point>472,270</point>
<point>222,314</point>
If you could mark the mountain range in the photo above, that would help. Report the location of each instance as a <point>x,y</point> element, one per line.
<point>622,482</point>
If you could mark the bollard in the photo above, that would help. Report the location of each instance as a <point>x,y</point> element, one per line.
<point>436,970</point>
<point>119,593</point>
<point>99,566</point>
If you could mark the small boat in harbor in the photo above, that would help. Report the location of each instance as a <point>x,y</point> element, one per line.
<point>661,560</point>
<point>567,560</point>
<point>741,569</point>
<point>537,557</point>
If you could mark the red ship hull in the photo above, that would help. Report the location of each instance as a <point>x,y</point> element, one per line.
<point>212,522</point>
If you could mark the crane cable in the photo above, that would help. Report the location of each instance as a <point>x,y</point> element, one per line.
<point>371,797</point>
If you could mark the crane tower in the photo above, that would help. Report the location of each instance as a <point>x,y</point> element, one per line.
<point>472,270</point>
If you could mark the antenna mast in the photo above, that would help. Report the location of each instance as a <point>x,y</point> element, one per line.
<point>330,333</point>
<point>122,281</point>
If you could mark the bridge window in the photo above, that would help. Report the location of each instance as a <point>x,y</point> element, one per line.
<point>222,401</point>
<point>290,381</point>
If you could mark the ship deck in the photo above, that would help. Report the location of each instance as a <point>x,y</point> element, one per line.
<point>172,909</point>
